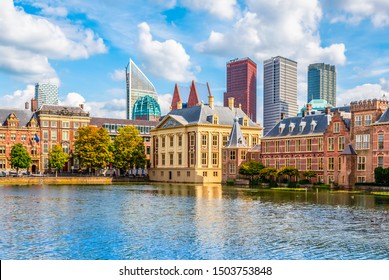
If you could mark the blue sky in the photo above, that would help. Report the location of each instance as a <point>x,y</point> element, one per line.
<point>84,45</point>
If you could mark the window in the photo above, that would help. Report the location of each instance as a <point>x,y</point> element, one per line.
<point>54,135</point>
<point>191,158</point>
<point>192,140</point>
<point>224,155</point>
<point>358,120</point>
<point>45,163</point>
<point>336,127</point>
<point>171,141</point>
<point>179,158</point>
<point>254,140</point>
<point>330,144</point>
<point>65,124</point>
<point>215,157</point>
<point>339,163</point>
<point>232,169</point>
<point>187,173</point>
<point>330,179</point>
<point>267,147</point>
<point>215,173</point>
<point>232,155</point>
<point>321,163</point>
<point>253,156</point>
<point>33,151</point>
<point>65,135</point>
<point>205,173</point>
<point>76,125</point>
<point>277,143</point>
<point>225,140</point>
<point>24,137</point>
<point>45,135</point>
<point>178,173</point>
<point>171,159</point>
<point>341,142</point>
<point>45,148</point>
<point>163,159</point>
<point>65,148</point>
<point>361,163</point>
<point>13,137</point>
<point>287,145</point>
<point>179,140</point>
<point>2,136</point>
<point>309,145</point>
<point>362,141</point>
<point>215,119</point>
<point>309,163</point>
<point>214,140</point>
<point>204,139</point>
<point>204,158</point>
<point>147,150</point>
<point>277,164</point>
<point>361,179</point>
<point>2,163</point>
<point>163,142</point>
<point>380,160</point>
<point>45,124</point>
<point>380,141</point>
<point>320,144</point>
<point>224,169</point>
<point>53,124</point>
<point>242,155</point>
<point>298,145</point>
<point>162,173</point>
<point>245,122</point>
<point>2,150</point>
<point>287,162</point>
<point>367,119</point>
<point>331,163</point>
<point>297,163</point>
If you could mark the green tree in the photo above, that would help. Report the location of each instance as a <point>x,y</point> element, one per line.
<point>129,148</point>
<point>288,171</point>
<point>268,173</point>
<point>309,174</point>
<point>93,147</point>
<point>251,168</point>
<point>20,158</point>
<point>57,158</point>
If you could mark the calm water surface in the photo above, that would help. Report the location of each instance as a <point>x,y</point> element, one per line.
<point>189,222</point>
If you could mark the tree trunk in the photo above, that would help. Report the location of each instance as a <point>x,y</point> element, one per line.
<point>56,170</point>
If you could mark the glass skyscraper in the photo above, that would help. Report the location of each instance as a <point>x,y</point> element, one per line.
<point>322,83</point>
<point>279,90</point>
<point>137,85</point>
<point>46,93</point>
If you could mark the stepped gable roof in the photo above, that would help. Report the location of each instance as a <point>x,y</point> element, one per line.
<point>349,150</point>
<point>236,139</point>
<point>384,117</point>
<point>62,110</point>
<point>24,116</point>
<point>310,124</point>
<point>200,115</point>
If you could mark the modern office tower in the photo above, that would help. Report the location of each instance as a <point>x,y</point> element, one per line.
<point>137,85</point>
<point>322,82</point>
<point>46,93</point>
<point>279,90</point>
<point>242,85</point>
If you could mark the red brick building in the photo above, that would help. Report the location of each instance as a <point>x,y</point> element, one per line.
<point>242,85</point>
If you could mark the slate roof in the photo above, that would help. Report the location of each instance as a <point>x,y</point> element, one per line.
<point>236,139</point>
<point>349,150</point>
<point>384,117</point>
<point>291,126</point>
<point>23,115</point>
<point>200,115</point>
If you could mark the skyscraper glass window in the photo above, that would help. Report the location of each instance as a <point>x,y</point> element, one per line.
<point>46,93</point>
<point>322,83</point>
<point>146,108</point>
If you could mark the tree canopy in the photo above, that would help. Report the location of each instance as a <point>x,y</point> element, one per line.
<point>129,148</point>
<point>288,171</point>
<point>57,158</point>
<point>251,168</point>
<point>309,174</point>
<point>20,158</point>
<point>93,147</point>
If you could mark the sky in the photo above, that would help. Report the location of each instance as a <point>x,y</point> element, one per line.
<point>84,46</point>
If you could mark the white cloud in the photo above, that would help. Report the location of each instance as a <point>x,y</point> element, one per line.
<point>224,9</point>
<point>165,101</point>
<point>28,41</point>
<point>18,98</point>
<point>354,11</point>
<point>167,59</point>
<point>51,11</point>
<point>363,92</point>
<point>118,75</point>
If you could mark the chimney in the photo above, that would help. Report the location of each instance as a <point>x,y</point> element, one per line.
<point>240,106</point>
<point>34,105</point>
<point>179,104</point>
<point>283,116</point>
<point>82,106</point>
<point>231,102</point>
<point>327,110</point>
<point>211,101</point>
<point>26,105</point>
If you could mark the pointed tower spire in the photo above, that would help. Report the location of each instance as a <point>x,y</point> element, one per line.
<point>193,99</point>
<point>236,139</point>
<point>176,98</point>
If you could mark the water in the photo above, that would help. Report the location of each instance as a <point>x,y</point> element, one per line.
<point>187,222</point>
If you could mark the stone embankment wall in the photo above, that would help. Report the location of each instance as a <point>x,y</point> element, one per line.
<point>55,180</point>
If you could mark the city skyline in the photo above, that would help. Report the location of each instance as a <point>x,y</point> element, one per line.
<point>84,46</point>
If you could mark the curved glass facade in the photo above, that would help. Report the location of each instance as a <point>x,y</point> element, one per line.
<point>146,108</point>
<point>137,85</point>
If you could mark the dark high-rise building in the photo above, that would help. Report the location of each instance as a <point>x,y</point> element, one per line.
<point>322,82</point>
<point>242,85</point>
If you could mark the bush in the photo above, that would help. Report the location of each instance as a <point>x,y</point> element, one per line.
<point>273,184</point>
<point>230,182</point>
<point>304,182</point>
<point>292,184</point>
<point>255,181</point>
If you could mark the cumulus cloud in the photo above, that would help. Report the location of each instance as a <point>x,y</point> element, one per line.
<point>164,101</point>
<point>224,9</point>
<point>354,11</point>
<point>118,75</point>
<point>167,59</point>
<point>271,28</point>
<point>362,92</point>
<point>27,43</point>
<point>51,11</point>
<point>18,98</point>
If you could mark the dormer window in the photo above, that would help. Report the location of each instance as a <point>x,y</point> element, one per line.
<point>302,126</point>
<point>215,119</point>
<point>291,127</point>
<point>245,122</point>
<point>281,128</point>
<point>313,125</point>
